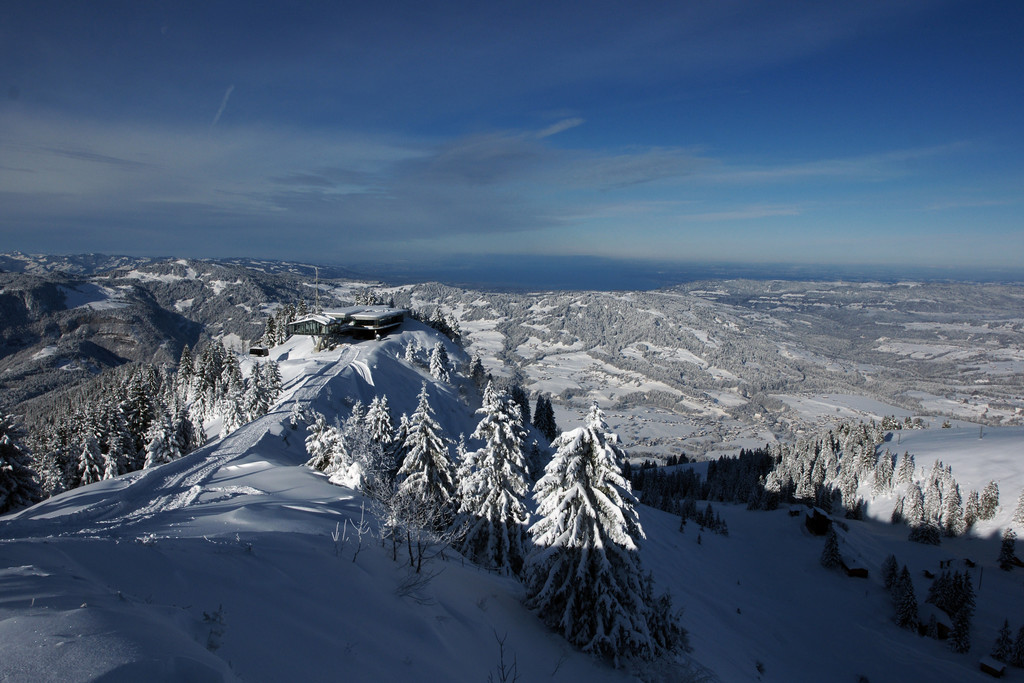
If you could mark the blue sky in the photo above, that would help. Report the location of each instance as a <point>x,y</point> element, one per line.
<point>869,132</point>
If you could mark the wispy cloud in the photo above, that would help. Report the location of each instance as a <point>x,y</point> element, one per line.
<point>356,192</point>
<point>223,104</point>
<point>969,204</point>
<point>868,167</point>
<point>743,213</point>
<point>561,126</point>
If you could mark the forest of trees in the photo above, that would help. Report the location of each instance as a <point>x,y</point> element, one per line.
<point>477,500</point>
<point>140,415</point>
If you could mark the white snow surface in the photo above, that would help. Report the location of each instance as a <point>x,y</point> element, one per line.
<point>220,566</point>
<point>92,296</point>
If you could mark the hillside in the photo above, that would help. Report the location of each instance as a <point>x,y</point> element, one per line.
<point>221,566</point>
<point>66,319</point>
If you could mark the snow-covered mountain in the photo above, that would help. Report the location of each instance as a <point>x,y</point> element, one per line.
<point>222,566</point>
<point>65,319</point>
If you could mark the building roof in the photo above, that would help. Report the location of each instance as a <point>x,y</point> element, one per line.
<point>321,318</point>
<point>367,313</point>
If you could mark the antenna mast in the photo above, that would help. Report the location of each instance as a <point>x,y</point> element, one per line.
<point>317,288</point>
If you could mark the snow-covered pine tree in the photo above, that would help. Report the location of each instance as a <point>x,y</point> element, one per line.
<point>477,373</point>
<point>186,372</point>
<point>321,443</point>
<point>296,415</point>
<point>883,474</point>
<point>1018,513</point>
<point>989,501</point>
<point>356,416</point>
<point>933,503</point>
<point>232,408</point>
<point>412,352</point>
<point>91,463</point>
<point>522,400</point>
<point>830,557</point>
<point>905,472</point>
<point>257,400</point>
<point>913,509</point>
<point>953,512</point>
<point>19,485</point>
<point>439,363</point>
<point>1003,647</point>
<point>186,435</point>
<point>378,421</point>
<point>960,636</point>
<point>584,576</point>
<point>906,601</point>
<point>1007,549</point>
<point>940,592</point>
<point>972,508</point>
<point>427,473</point>
<point>272,378</point>
<point>161,446</point>
<point>1017,654</point>
<point>544,418</point>
<point>269,337</point>
<point>493,486</point>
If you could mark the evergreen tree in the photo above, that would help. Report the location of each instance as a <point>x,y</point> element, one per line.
<point>1018,513</point>
<point>378,421</point>
<point>493,487</point>
<point>185,434</point>
<point>989,501</point>
<point>905,472</point>
<point>883,474</point>
<point>940,592</point>
<point>1003,647</point>
<point>232,408</point>
<point>830,557</point>
<point>439,363</point>
<point>906,601</point>
<point>321,443</point>
<point>161,446</point>
<point>19,485</point>
<point>972,509</point>
<point>91,463</point>
<point>186,370</point>
<point>1007,549</point>
<point>477,373</point>
<point>412,352</point>
<point>913,510</point>
<point>953,513</point>
<point>1017,654</point>
<point>544,418</point>
<point>933,502</point>
<point>520,398</point>
<point>269,337</point>
<point>257,399</point>
<point>584,576</point>
<point>427,473</point>
<point>960,636</point>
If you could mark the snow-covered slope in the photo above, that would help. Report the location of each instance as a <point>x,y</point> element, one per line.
<point>222,566</point>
